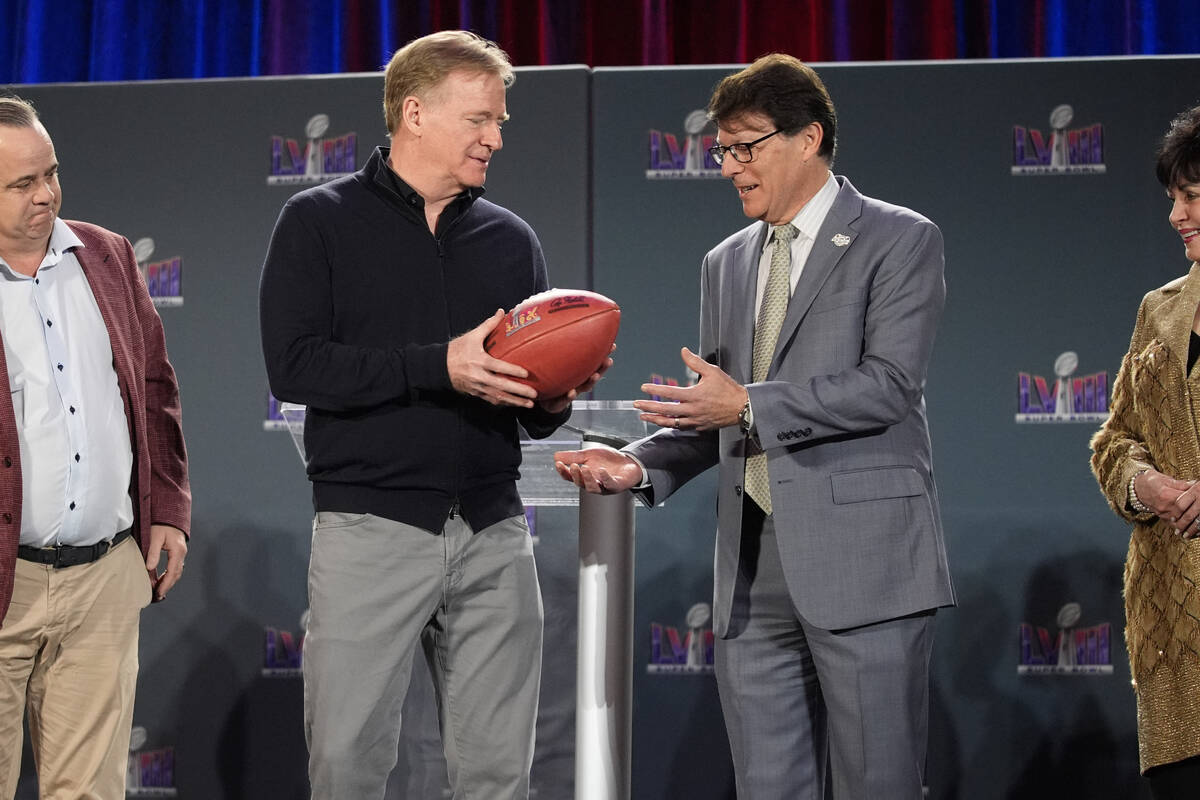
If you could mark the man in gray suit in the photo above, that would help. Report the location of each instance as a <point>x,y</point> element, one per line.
<point>816,326</point>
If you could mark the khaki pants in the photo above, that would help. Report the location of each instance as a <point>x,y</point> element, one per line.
<point>69,656</point>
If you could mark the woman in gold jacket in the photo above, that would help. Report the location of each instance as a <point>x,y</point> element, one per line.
<point>1147,460</point>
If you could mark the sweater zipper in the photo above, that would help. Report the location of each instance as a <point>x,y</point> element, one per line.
<point>455,504</point>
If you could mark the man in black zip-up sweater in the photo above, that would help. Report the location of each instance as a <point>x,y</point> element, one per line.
<point>372,297</point>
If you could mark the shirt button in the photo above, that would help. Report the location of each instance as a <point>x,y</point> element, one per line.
<point>60,367</point>
<point>7,517</point>
<point>77,456</point>
<point>49,324</point>
<point>72,506</point>
<point>72,409</point>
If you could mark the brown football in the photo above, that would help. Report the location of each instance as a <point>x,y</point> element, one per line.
<point>560,336</point>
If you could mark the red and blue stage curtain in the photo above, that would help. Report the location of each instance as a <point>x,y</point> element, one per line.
<point>118,40</point>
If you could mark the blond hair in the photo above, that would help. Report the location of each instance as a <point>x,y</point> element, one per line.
<point>422,64</point>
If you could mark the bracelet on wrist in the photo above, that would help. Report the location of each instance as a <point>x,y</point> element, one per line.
<point>1134,503</point>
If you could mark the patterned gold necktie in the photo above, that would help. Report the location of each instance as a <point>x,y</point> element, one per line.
<point>766,334</point>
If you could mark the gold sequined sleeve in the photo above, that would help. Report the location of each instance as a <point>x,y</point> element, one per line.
<point>1119,449</point>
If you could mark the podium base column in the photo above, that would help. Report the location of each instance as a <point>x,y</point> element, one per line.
<point>604,671</point>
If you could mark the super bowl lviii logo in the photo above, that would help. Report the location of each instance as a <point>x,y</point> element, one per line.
<point>670,159</point>
<point>164,278</point>
<point>151,771</point>
<point>693,653</point>
<point>1072,398</point>
<point>1075,650</point>
<point>1060,151</point>
<point>531,522</point>
<point>321,158</point>
<point>275,420</point>
<point>283,653</point>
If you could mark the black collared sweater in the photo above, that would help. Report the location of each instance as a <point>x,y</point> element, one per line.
<point>358,302</point>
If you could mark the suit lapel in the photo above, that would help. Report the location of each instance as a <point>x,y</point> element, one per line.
<point>1177,322</point>
<point>93,261</point>
<point>835,239</point>
<point>96,261</point>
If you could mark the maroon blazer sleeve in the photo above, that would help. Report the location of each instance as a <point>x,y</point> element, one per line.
<point>159,483</point>
<point>169,488</point>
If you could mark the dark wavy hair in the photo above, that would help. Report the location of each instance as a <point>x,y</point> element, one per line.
<point>1178,156</point>
<point>783,88</point>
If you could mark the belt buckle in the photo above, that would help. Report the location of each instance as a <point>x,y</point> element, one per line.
<point>99,550</point>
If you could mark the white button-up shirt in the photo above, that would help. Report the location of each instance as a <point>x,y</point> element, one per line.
<point>808,222</point>
<point>76,458</point>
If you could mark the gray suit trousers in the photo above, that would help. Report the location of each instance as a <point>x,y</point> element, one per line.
<point>808,709</point>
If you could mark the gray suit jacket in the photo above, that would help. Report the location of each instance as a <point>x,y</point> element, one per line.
<point>841,416</point>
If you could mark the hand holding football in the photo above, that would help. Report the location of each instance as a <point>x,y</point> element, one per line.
<point>561,336</point>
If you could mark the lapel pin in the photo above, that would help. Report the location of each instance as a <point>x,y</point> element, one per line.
<point>840,240</point>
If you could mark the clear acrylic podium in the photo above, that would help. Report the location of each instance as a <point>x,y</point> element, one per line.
<point>604,656</point>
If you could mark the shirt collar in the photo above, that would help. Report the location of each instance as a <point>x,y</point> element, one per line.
<point>811,216</point>
<point>62,239</point>
<point>410,195</point>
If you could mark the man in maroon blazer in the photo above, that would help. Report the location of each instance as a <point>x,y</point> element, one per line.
<point>92,466</point>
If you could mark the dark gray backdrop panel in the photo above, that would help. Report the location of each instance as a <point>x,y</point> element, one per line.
<point>649,237</point>
<point>1036,265</point>
<point>186,163</point>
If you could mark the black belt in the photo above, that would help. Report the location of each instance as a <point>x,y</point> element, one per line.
<point>66,555</point>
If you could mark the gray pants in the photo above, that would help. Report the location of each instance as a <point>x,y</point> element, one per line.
<point>798,699</point>
<point>376,589</point>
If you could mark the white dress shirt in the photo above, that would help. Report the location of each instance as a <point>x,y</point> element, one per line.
<point>76,458</point>
<point>808,222</point>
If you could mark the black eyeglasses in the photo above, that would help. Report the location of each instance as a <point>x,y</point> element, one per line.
<point>741,151</point>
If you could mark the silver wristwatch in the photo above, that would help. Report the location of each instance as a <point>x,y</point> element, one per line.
<point>744,418</point>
